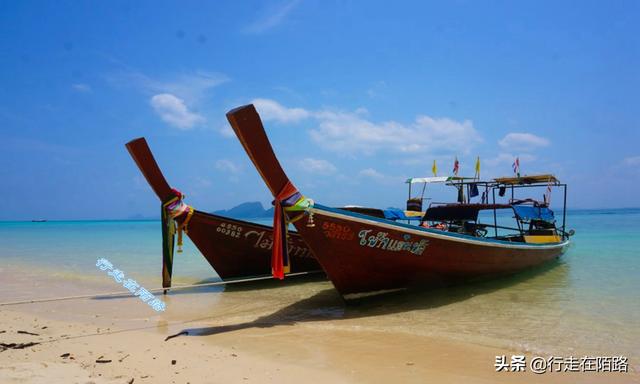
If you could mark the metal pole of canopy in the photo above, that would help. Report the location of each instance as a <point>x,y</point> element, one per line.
<point>520,224</point>
<point>495,217</point>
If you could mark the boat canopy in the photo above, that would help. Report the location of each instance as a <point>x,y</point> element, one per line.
<point>526,179</point>
<point>436,179</point>
<point>459,212</point>
<point>531,212</point>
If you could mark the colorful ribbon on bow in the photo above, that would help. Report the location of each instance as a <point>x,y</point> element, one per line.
<point>175,208</point>
<point>289,199</point>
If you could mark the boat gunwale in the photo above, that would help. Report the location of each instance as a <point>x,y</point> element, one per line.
<point>333,212</point>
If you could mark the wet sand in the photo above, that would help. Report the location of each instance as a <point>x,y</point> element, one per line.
<point>266,332</point>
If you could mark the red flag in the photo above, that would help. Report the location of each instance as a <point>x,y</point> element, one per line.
<point>516,167</point>
<point>456,166</point>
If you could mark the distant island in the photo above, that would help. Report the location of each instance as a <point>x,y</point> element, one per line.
<point>253,209</point>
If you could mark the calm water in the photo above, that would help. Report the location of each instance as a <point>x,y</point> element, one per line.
<point>586,303</point>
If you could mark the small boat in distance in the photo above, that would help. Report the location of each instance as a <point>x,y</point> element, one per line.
<point>365,255</point>
<point>234,248</point>
<point>39,220</point>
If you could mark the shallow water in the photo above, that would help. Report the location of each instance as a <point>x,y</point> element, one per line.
<point>586,303</point>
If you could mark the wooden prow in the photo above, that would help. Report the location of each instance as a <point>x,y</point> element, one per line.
<point>139,150</point>
<point>247,125</point>
<point>141,153</point>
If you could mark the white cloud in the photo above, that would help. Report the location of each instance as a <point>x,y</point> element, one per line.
<point>228,166</point>
<point>522,141</point>
<point>82,88</point>
<point>371,174</point>
<point>632,161</point>
<point>173,111</point>
<point>191,87</point>
<point>272,18</point>
<point>340,131</point>
<point>352,132</point>
<point>320,166</point>
<point>271,110</point>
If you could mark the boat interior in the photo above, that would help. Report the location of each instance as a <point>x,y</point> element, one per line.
<point>528,220</point>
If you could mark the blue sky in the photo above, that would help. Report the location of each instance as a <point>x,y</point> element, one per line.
<point>356,96</point>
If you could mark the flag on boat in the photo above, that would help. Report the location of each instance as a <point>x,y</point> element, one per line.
<point>434,168</point>
<point>477,175</point>
<point>516,167</point>
<point>473,190</point>
<point>456,166</point>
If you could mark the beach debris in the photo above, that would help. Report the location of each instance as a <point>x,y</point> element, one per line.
<point>28,333</point>
<point>173,362</point>
<point>410,363</point>
<point>45,327</point>
<point>234,355</point>
<point>103,361</point>
<point>144,377</point>
<point>5,346</point>
<point>3,331</point>
<point>131,381</point>
<point>176,335</point>
<point>65,355</point>
<point>120,360</point>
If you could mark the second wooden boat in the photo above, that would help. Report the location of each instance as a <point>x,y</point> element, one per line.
<point>234,248</point>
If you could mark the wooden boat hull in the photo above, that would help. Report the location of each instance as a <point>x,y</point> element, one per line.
<point>237,248</point>
<point>364,254</point>
<point>234,248</point>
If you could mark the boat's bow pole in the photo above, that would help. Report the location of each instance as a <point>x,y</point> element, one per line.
<point>247,125</point>
<point>141,154</point>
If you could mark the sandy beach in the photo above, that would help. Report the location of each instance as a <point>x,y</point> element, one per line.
<point>229,338</point>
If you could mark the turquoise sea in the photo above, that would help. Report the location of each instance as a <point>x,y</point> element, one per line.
<point>586,303</point>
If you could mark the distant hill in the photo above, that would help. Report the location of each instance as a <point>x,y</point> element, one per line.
<point>253,209</point>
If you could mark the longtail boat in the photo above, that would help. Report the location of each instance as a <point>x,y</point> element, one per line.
<point>234,248</point>
<point>363,254</point>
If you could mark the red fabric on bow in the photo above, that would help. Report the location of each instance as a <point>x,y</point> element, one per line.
<point>280,231</point>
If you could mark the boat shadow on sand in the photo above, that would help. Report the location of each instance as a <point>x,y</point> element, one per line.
<point>328,305</point>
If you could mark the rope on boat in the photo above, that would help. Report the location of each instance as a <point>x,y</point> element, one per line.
<point>128,293</point>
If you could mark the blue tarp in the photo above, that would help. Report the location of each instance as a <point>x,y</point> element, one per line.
<point>398,214</point>
<point>528,212</point>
